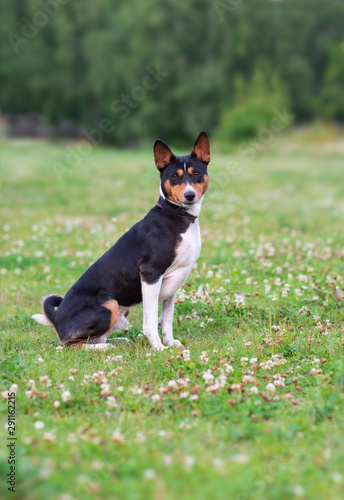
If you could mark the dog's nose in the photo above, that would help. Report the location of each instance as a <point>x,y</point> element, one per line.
<point>189,196</point>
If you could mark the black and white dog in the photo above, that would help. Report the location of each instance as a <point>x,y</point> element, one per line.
<point>148,264</point>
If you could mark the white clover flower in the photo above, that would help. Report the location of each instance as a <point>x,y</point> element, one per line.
<point>155,398</point>
<point>136,390</point>
<point>248,379</point>
<point>229,368</point>
<point>189,461</point>
<point>149,474</point>
<point>39,425</point>
<point>222,380</point>
<point>236,387</point>
<point>167,459</point>
<point>271,388</point>
<point>254,389</point>
<point>111,401</point>
<point>186,355</point>
<point>140,437</point>
<point>315,371</point>
<point>105,390</point>
<point>118,436</point>
<point>204,357</point>
<point>239,300</point>
<point>66,396</point>
<point>57,404</point>
<point>49,437</point>
<point>183,395</point>
<point>45,380</point>
<point>71,438</point>
<point>208,376</point>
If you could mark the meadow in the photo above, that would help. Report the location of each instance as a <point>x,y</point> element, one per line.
<point>253,406</point>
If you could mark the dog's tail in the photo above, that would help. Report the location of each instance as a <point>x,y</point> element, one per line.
<point>49,303</point>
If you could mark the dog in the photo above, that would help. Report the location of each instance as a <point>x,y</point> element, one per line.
<point>148,264</point>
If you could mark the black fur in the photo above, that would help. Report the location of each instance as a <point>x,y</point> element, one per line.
<point>143,253</point>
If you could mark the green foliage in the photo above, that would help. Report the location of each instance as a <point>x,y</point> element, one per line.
<point>252,107</point>
<point>88,63</point>
<point>332,93</point>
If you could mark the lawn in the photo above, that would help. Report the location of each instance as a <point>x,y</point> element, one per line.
<point>253,406</point>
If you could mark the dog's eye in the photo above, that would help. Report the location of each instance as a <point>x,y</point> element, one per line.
<point>196,174</point>
<point>174,176</point>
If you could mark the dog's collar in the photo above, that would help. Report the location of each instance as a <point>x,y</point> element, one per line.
<point>174,210</point>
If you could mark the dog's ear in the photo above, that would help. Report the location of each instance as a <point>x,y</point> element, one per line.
<point>162,154</point>
<point>201,148</point>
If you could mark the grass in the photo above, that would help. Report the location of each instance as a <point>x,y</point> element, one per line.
<point>253,407</point>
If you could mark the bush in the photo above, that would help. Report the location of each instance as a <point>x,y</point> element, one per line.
<point>251,107</point>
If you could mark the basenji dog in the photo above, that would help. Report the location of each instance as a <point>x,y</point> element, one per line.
<point>148,264</point>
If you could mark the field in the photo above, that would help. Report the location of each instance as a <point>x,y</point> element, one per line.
<point>253,406</point>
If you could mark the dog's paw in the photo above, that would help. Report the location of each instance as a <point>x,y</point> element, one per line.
<point>158,346</point>
<point>174,343</point>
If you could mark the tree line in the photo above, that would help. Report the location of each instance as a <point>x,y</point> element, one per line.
<point>132,70</point>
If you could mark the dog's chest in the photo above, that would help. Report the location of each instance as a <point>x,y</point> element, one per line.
<point>187,253</point>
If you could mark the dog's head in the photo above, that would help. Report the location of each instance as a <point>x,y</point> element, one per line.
<point>184,179</point>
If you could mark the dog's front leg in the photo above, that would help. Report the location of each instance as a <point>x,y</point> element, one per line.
<point>166,322</point>
<point>150,301</point>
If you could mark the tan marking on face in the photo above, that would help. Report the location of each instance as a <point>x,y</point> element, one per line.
<point>112,306</point>
<point>180,172</point>
<point>191,170</point>
<point>200,187</point>
<point>175,193</point>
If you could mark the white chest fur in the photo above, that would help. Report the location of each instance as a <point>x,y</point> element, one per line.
<point>187,254</point>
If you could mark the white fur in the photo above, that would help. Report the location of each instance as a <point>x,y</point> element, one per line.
<point>42,319</point>
<point>165,290</point>
<point>187,254</point>
<point>150,302</point>
<point>189,188</point>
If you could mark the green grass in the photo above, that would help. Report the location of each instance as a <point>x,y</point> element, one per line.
<point>272,233</point>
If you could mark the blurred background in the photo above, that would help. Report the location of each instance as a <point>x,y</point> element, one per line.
<point>123,73</point>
